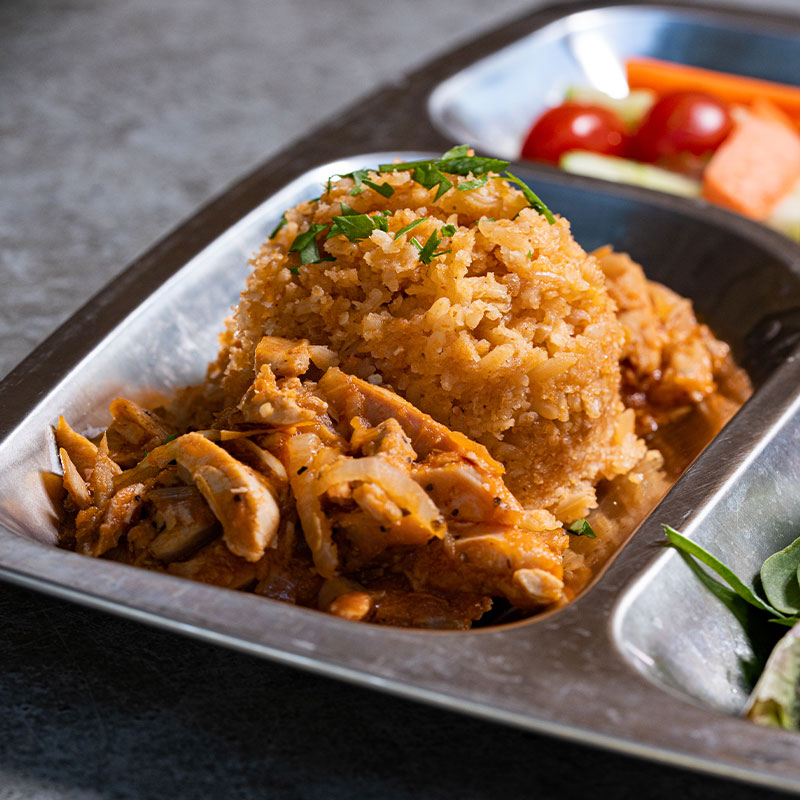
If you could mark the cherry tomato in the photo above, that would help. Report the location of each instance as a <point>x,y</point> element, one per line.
<point>693,123</point>
<point>574,126</point>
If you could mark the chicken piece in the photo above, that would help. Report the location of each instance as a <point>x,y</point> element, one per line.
<point>186,520</point>
<point>462,490</point>
<point>409,609</point>
<point>291,358</point>
<point>217,565</point>
<point>104,471</point>
<point>135,430</point>
<point>387,439</point>
<point>305,457</point>
<point>285,573</point>
<point>138,539</point>
<point>72,481</point>
<point>99,530</point>
<point>521,565</point>
<point>239,497</point>
<point>81,451</point>
<point>349,397</point>
<point>261,460</point>
<point>284,402</point>
<point>391,601</point>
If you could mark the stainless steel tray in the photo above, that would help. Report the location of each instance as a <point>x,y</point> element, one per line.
<point>595,671</point>
<point>643,661</point>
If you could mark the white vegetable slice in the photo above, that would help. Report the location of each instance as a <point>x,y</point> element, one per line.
<point>623,170</point>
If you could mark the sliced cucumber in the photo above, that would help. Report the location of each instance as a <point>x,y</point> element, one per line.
<point>623,170</point>
<point>631,109</point>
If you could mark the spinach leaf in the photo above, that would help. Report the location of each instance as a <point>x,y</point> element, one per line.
<point>734,581</point>
<point>780,581</point>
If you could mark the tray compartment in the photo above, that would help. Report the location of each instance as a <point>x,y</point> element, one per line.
<point>492,103</point>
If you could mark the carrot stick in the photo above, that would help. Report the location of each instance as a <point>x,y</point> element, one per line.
<point>664,77</point>
<point>755,167</point>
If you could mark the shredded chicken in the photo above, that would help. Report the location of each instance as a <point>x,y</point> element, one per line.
<point>324,490</point>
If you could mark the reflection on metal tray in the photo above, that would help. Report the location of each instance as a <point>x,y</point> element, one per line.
<point>566,672</point>
<point>493,102</point>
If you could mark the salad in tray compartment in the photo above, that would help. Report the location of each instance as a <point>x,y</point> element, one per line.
<point>732,140</point>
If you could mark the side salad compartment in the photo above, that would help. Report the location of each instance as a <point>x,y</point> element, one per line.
<point>689,103</point>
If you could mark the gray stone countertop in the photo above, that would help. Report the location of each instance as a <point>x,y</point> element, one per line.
<point>118,119</point>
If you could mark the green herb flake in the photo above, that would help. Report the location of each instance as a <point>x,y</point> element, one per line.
<point>358,176</point>
<point>457,152</point>
<point>281,222</point>
<point>306,245</point>
<point>347,211</point>
<point>475,183</point>
<point>410,227</point>
<point>170,438</point>
<point>582,528</point>
<point>427,252</point>
<point>357,226</point>
<point>530,254</point>
<point>328,186</point>
<point>463,165</point>
<point>448,230</point>
<point>429,175</point>
<point>535,203</point>
<point>384,189</point>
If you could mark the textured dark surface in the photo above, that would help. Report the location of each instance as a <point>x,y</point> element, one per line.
<point>118,120</point>
<point>93,706</point>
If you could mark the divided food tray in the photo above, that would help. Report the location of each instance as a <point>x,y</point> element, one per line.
<point>645,642</point>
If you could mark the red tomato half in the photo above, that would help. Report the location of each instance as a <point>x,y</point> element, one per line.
<point>574,126</point>
<point>683,122</point>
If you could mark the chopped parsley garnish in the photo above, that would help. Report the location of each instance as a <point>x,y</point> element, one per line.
<point>358,176</point>
<point>475,183</point>
<point>429,175</point>
<point>170,438</point>
<point>281,222</point>
<point>357,226</point>
<point>427,252</point>
<point>306,245</point>
<point>383,188</point>
<point>457,152</point>
<point>535,203</point>
<point>582,528</point>
<point>410,227</point>
<point>463,165</point>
